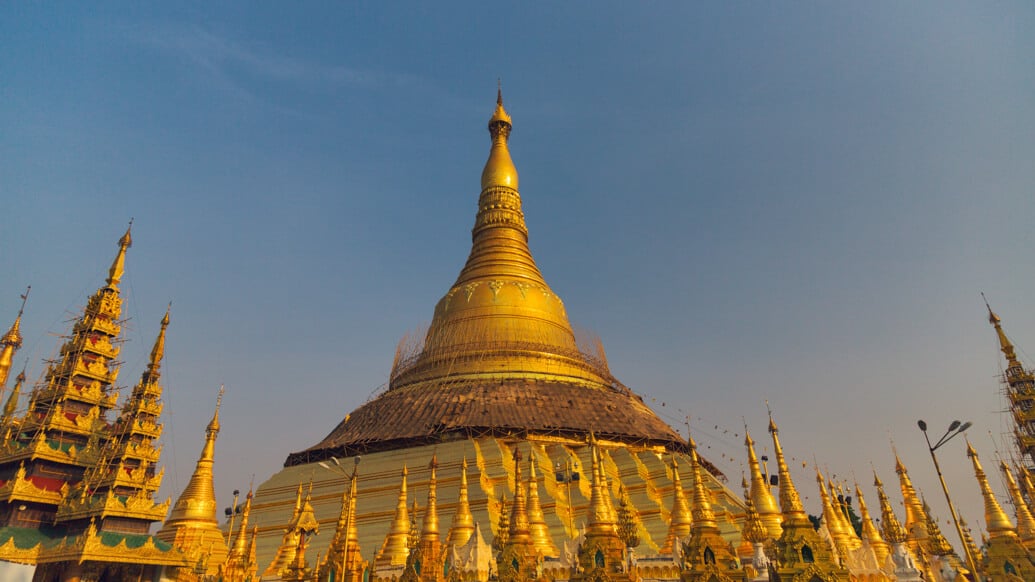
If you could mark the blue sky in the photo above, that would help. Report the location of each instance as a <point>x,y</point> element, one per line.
<point>745,201</point>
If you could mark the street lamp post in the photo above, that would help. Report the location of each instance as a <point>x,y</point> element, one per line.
<point>954,429</point>
<point>348,510</point>
<point>232,512</point>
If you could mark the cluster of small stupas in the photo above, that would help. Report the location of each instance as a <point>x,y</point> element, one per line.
<point>503,449</point>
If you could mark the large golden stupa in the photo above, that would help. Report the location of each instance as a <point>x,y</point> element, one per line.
<point>498,371</point>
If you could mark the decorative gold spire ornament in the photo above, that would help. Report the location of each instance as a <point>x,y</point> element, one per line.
<point>192,525</point>
<point>870,534</point>
<point>118,266</point>
<point>681,518</point>
<point>462,527</point>
<point>1020,389</point>
<point>1006,555</point>
<point>10,343</point>
<point>602,554</point>
<point>707,557</point>
<point>831,519</point>
<point>396,546</point>
<point>8,422</point>
<point>1025,521</point>
<point>285,555</point>
<point>761,495</point>
<point>518,560</point>
<point>536,520</point>
<point>799,553</point>
<point>916,524</point>
<point>240,563</point>
<point>904,559</point>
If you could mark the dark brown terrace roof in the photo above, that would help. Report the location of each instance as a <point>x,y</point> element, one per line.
<point>429,413</point>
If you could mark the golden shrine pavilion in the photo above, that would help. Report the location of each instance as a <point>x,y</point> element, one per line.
<point>502,449</point>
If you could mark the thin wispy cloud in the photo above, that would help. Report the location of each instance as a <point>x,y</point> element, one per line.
<point>243,68</point>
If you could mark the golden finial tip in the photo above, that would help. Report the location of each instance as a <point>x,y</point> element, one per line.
<point>970,450</point>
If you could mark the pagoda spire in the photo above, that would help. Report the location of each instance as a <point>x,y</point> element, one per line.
<point>831,519</point>
<point>286,551</point>
<point>915,524</point>
<point>799,549</point>
<point>1020,391</point>
<point>193,524</point>
<point>761,495</point>
<point>790,501</point>
<point>197,502</point>
<point>429,527</point>
<point>1025,521</point>
<point>240,561</point>
<point>599,519</point>
<point>890,525</point>
<point>118,266</point>
<point>397,543</point>
<point>896,537</point>
<point>517,560</point>
<point>1006,553</point>
<point>124,481</point>
<point>536,520</point>
<point>520,530</point>
<point>11,407</point>
<point>755,533</point>
<point>500,314</point>
<point>706,555</point>
<point>11,342</point>
<point>869,531</point>
<point>996,520</point>
<point>462,527</point>
<point>680,518</point>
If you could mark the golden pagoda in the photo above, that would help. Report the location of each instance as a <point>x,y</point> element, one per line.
<point>498,369</point>
<point>1020,390</point>
<point>76,487</point>
<point>192,526</point>
<point>799,553</point>
<point>1006,558</point>
<point>707,557</point>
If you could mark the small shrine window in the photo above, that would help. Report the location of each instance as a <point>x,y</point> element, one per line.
<point>806,555</point>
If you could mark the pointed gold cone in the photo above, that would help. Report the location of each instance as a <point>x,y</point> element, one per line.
<point>396,546</point>
<point>1025,521</point>
<point>790,502</point>
<point>998,523</point>
<point>869,530</point>
<point>462,528</point>
<point>118,266</point>
<point>680,518</point>
<point>10,342</point>
<point>915,522</point>
<point>429,528</point>
<point>891,527</point>
<point>761,495</point>
<point>536,520</point>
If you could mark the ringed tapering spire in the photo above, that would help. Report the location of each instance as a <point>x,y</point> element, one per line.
<point>10,342</point>
<point>462,527</point>
<point>192,525</point>
<point>761,496</point>
<point>996,520</point>
<point>197,503</point>
<point>1025,521</point>
<point>790,501</point>
<point>118,266</point>
<point>869,529</point>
